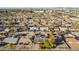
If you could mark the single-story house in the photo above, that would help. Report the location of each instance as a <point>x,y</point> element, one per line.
<point>11,40</point>
<point>43,28</point>
<point>40,37</point>
<point>33,28</point>
<point>63,29</point>
<point>69,36</point>
<point>38,28</point>
<point>74,18</point>
<point>24,40</point>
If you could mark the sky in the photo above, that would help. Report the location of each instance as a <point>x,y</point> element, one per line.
<point>39,3</point>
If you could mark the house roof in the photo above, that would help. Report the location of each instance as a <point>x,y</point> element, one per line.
<point>24,40</point>
<point>11,40</point>
<point>74,18</point>
<point>39,37</point>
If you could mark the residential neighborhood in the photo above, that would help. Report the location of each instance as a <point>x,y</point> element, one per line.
<point>43,29</point>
